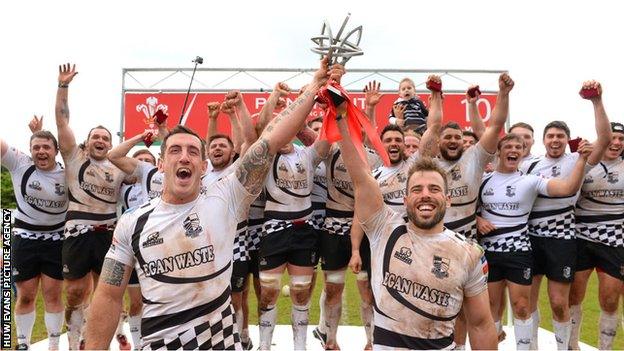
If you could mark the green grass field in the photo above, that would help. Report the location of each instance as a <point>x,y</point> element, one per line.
<point>351,312</point>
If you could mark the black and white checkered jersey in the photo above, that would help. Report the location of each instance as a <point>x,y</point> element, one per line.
<point>392,182</point>
<point>340,200</point>
<point>319,197</point>
<point>419,281</point>
<point>600,207</point>
<point>553,217</point>
<point>464,177</point>
<point>506,200</point>
<point>183,257</point>
<point>150,179</point>
<point>288,188</point>
<point>41,197</point>
<point>94,190</point>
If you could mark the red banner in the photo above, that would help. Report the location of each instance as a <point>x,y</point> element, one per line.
<point>139,107</point>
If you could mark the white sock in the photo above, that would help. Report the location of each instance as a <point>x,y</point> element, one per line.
<point>299,320</point>
<point>522,330</point>
<point>268,319</point>
<point>535,319</point>
<point>322,325</point>
<point>562,334</point>
<point>366,311</point>
<point>24,325</point>
<point>54,324</point>
<point>135,330</point>
<point>74,319</point>
<point>576,317</point>
<point>332,319</point>
<point>122,319</point>
<point>608,326</point>
<point>499,327</point>
<point>244,335</point>
<point>460,347</point>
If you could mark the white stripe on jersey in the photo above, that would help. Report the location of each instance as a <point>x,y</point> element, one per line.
<point>506,200</point>
<point>41,197</point>
<point>600,207</point>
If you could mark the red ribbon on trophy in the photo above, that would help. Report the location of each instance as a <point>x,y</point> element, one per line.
<point>357,122</point>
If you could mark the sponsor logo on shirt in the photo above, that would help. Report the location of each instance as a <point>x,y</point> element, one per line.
<point>419,291</point>
<point>341,167</point>
<point>101,190</point>
<point>459,191</point>
<point>192,226</point>
<point>153,239</point>
<point>282,167</point>
<point>488,192</point>
<point>440,267</point>
<point>588,180</point>
<point>181,261</point>
<point>404,254</point>
<point>35,185</point>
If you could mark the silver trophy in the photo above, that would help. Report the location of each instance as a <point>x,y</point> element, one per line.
<point>339,49</point>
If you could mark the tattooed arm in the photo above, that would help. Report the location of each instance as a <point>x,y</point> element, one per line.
<point>106,304</point>
<point>67,140</point>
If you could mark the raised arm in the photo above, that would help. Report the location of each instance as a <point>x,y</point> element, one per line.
<point>476,123</point>
<point>229,107</point>
<point>213,113</point>
<point>248,132</point>
<point>280,91</point>
<point>118,155</point>
<point>429,141</point>
<point>106,304</point>
<point>499,114</point>
<point>35,124</point>
<point>255,163</point>
<point>480,324</point>
<point>571,184</point>
<point>67,140</point>
<point>368,199</point>
<point>603,127</point>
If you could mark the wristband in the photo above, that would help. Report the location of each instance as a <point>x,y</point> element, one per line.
<point>61,85</point>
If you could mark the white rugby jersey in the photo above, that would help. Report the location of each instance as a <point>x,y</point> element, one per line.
<point>464,177</point>
<point>553,217</point>
<point>40,195</point>
<point>600,208</point>
<point>151,179</point>
<point>319,197</point>
<point>419,281</point>
<point>132,195</point>
<point>340,200</point>
<point>506,200</point>
<point>288,187</point>
<point>94,188</point>
<point>526,161</point>
<point>183,257</point>
<point>392,182</point>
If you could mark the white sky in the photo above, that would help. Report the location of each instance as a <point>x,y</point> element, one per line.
<point>549,47</point>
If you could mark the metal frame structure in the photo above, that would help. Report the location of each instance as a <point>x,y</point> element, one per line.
<point>176,80</point>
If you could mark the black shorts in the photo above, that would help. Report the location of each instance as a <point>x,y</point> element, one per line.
<point>512,266</point>
<point>134,278</point>
<point>85,253</point>
<point>241,271</point>
<point>556,258</point>
<point>296,245</point>
<point>33,257</point>
<point>609,259</point>
<point>335,252</point>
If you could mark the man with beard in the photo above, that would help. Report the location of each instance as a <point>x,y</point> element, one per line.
<point>181,244</point>
<point>93,185</point>
<point>416,308</point>
<point>506,197</point>
<point>551,222</point>
<point>39,187</point>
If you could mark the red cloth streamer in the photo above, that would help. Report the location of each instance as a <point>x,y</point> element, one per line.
<point>357,122</point>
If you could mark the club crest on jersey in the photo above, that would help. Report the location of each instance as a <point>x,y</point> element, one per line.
<point>59,189</point>
<point>300,168</point>
<point>157,181</point>
<point>404,254</point>
<point>613,177</point>
<point>567,272</point>
<point>455,174</point>
<point>108,176</point>
<point>511,191</point>
<point>527,273</point>
<point>35,185</point>
<point>153,239</point>
<point>401,177</point>
<point>555,171</point>
<point>488,192</point>
<point>440,267</point>
<point>192,226</point>
<point>588,180</point>
<point>90,173</point>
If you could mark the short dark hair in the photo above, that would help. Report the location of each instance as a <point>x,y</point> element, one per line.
<point>521,125</point>
<point>45,134</point>
<point>143,152</point>
<point>391,128</point>
<point>110,135</point>
<point>180,129</point>
<point>559,125</point>
<point>510,136</point>
<point>426,164</point>
<point>470,134</point>
<point>450,125</point>
<point>220,136</point>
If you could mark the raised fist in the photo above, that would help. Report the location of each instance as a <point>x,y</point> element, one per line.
<point>473,93</point>
<point>213,109</point>
<point>591,90</point>
<point>282,88</point>
<point>505,83</point>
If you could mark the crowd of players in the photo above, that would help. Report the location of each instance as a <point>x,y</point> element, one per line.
<point>211,213</point>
